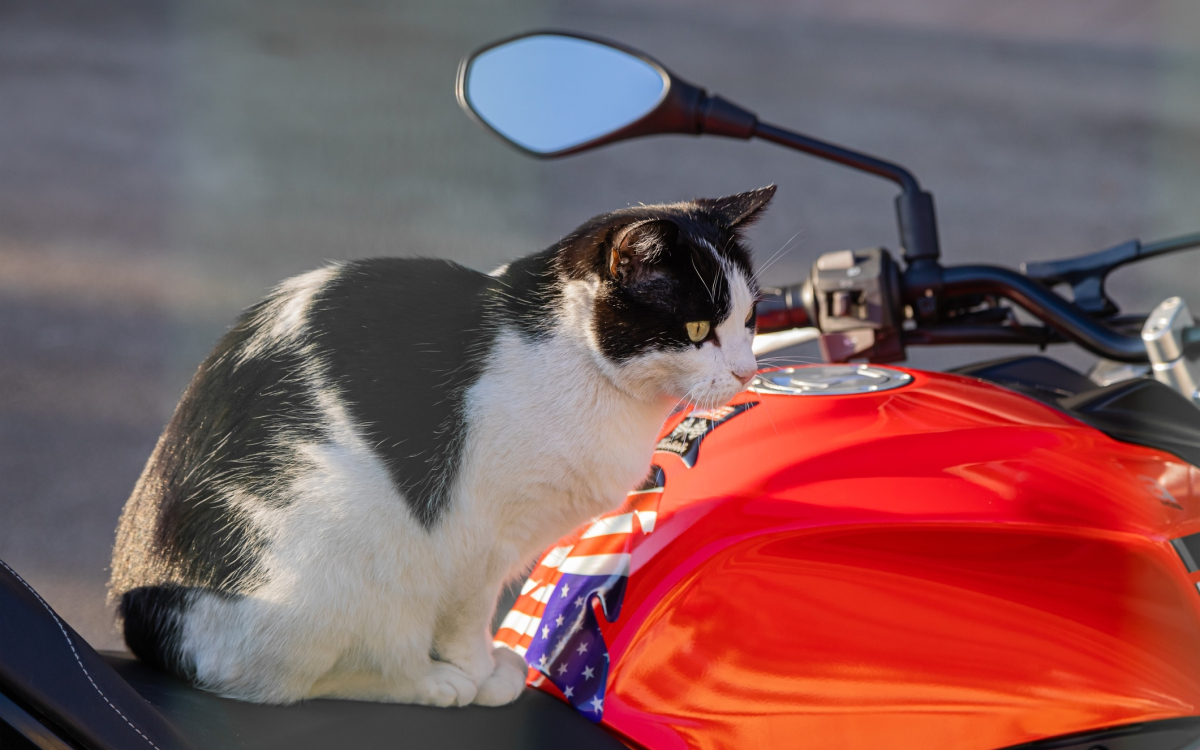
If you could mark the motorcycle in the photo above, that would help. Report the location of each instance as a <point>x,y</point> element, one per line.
<point>846,555</point>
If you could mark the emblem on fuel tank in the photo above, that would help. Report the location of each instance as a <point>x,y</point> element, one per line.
<point>684,440</point>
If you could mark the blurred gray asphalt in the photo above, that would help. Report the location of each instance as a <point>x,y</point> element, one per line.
<point>162,164</point>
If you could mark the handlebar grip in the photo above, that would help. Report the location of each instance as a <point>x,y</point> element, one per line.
<point>781,309</point>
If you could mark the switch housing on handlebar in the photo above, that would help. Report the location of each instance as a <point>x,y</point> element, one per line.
<point>856,295</point>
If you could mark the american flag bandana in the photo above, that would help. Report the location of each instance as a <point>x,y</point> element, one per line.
<point>553,623</point>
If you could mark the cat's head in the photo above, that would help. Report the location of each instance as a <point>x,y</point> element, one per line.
<point>667,295</point>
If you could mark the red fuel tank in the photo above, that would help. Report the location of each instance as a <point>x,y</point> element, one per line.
<point>938,564</point>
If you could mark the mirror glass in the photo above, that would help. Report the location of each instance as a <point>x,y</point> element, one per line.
<point>548,93</point>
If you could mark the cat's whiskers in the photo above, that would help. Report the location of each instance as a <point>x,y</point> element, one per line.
<point>792,360</point>
<point>766,405</point>
<point>685,400</point>
<point>778,255</point>
<point>711,296</point>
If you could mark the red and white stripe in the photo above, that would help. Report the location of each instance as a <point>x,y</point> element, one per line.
<point>603,548</point>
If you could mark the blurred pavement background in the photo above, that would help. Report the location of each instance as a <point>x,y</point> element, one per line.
<point>164,162</point>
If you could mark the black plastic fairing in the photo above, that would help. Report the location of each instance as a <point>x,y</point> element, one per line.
<point>1040,377</point>
<point>1188,548</point>
<point>1168,734</point>
<point>1141,411</point>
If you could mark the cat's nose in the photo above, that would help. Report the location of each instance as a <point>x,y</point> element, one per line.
<point>745,377</point>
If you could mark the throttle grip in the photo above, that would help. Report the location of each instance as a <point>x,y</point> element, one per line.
<point>782,308</point>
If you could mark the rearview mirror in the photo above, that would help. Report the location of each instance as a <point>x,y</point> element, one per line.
<point>551,94</point>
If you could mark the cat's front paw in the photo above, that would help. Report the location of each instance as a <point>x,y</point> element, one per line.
<point>446,685</point>
<point>506,681</point>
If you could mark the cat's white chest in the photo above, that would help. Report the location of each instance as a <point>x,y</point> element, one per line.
<point>551,442</point>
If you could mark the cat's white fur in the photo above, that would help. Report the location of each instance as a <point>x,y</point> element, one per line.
<point>282,319</point>
<point>356,595</point>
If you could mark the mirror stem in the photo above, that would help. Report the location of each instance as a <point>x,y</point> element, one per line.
<point>845,156</point>
<point>914,212</point>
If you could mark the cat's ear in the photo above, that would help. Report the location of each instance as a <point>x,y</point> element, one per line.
<point>637,248</point>
<point>741,210</point>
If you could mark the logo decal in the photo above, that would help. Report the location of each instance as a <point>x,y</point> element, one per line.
<point>1161,493</point>
<point>553,623</point>
<point>684,440</point>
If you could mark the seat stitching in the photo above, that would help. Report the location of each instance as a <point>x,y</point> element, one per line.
<point>76,655</point>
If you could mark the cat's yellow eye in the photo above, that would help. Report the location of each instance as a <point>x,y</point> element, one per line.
<point>698,330</point>
<point>750,315</point>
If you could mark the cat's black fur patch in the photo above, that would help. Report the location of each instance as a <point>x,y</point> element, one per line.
<point>403,339</point>
<point>527,295</point>
<point>153,632</point>
<point>227,430</point>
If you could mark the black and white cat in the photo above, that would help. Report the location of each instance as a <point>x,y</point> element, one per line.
<point>376,448</point>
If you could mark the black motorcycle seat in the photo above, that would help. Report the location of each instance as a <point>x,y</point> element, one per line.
<point>51,678</point>
<point>535,720</point>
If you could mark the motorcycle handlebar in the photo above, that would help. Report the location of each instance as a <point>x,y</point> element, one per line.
<point>1068,319</point>
<point>781,309</point>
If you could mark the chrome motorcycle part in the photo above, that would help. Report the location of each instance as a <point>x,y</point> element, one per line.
<point>829,380</point>
<point>1107,372</point>
<point>1164,336</point>
<point>765,343</point>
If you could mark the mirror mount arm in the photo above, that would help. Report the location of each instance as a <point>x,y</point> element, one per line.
<point>844,156</point>
<point>914,213</point>
<point>719,116</point>
<point>687,108</point>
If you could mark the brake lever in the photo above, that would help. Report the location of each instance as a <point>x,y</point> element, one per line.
<point>1086,273</point>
